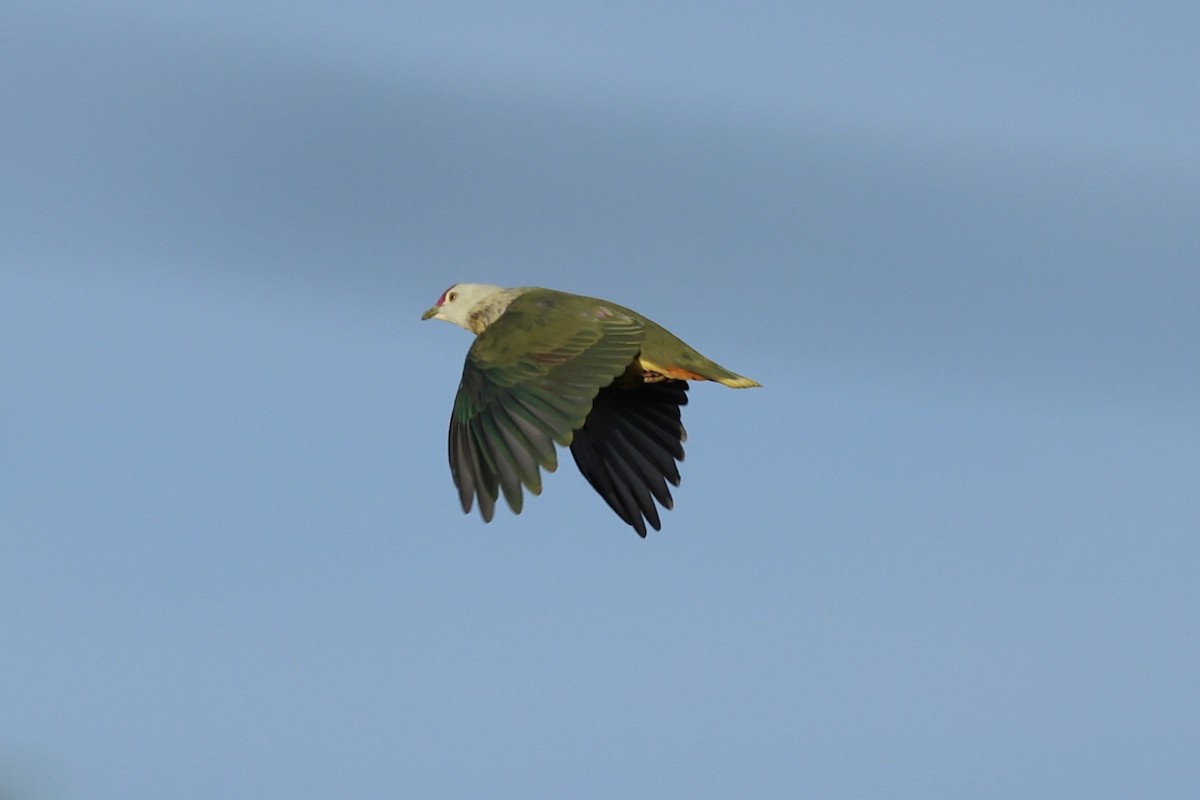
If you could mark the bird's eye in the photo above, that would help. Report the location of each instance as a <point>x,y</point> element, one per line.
<point>450,298</point>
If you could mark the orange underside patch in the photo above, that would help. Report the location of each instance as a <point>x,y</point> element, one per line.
<point>670,371</point>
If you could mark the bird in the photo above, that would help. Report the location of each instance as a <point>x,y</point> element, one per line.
<point>549,367</point>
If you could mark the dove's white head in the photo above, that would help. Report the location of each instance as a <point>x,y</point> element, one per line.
<point>474,306</point>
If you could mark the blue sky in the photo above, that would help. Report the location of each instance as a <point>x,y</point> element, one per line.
<point>949,550</point>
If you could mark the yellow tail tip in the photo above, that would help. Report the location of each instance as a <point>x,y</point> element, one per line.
<point>739,383</point>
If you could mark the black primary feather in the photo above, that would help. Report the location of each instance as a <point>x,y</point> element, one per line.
<point>628,447</point>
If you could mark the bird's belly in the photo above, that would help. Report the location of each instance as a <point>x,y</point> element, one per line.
<point>653,373</point>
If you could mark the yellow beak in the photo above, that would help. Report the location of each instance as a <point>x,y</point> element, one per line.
<point>431,312</point>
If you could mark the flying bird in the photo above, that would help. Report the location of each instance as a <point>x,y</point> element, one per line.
<point>549,367</point>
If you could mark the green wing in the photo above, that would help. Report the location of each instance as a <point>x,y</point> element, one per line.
<point>529,381</point>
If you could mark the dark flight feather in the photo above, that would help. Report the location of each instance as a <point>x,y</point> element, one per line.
<point>628,447</point>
